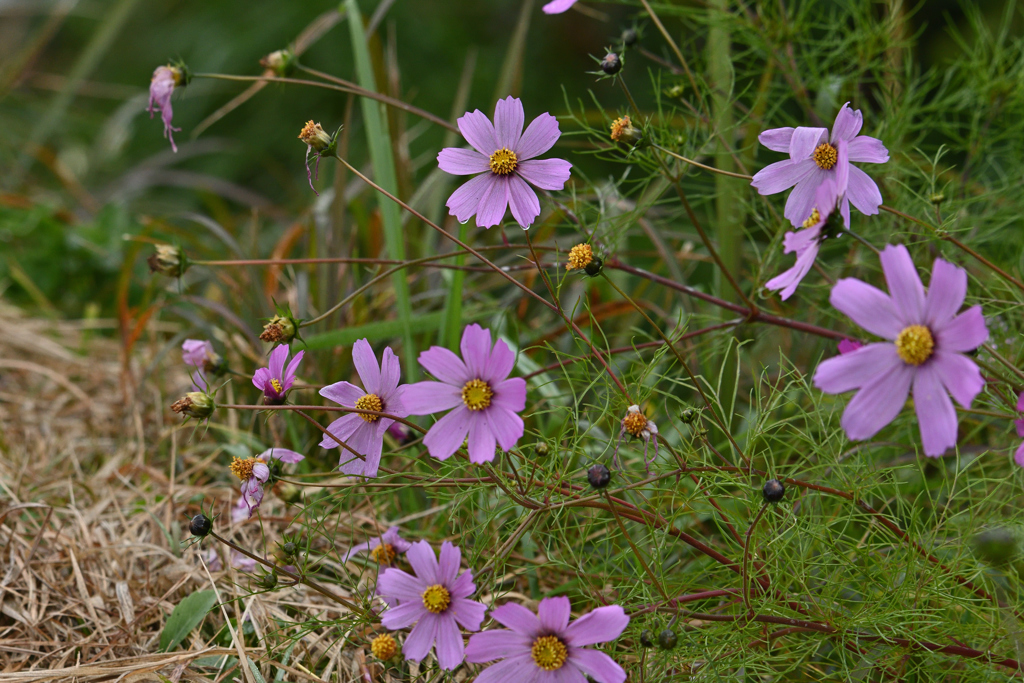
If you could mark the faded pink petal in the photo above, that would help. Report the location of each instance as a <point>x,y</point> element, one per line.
<point>161,87</point>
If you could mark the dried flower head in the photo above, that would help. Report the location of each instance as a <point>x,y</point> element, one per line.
<point>168,260</point>
<point>318,143</point>
<point>639,426</point>
<point>197,404</point>
<point>279,329</point>
<point>161,86</point>
<point>580,257</point>
<point>624,131</point>
<point>384,647</point>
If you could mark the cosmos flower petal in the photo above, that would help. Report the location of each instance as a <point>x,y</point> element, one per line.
<point>366,365</point>
<point>801,200</point>
<point>539,137</point>
<point>518,669</point>
<point>423,561</point>
<point>448,566</point>
<point>547,174</point>
<point>390,374</point>
<point>558,6</point>
<point>963,333</point>
<point>936,415</point>
<point>261,378</point>
<point>509,118</point>
<point>427,398</point>
<point>946,291</point>
<point>497,644</point>
<point>421,638</point>
<point>599,626</point>
<point>445,366</point>
<point>505,425</point>
<point>469,613</point>
<point>448,433</point>
<point>854,369</point>
<point>781,176</point>
<point>343,428</point>
<point>277,359</point>
<point>554,613</point>
<point>450,650</point>
<point>597,665</point>
<point>523,201</point>
<point>371,448</point>
<point>863,192</point>
<point>1018,457</point>
<point>403,615</point>
<point>905,286</point>
<point>482,443</point>
<point>465,201</point>
<point>396,583</point>
<point>499,363</point>
<point>877,403</point>
<point>478,131</point>
<point>493,201</point>
<point>517,618</point>
<point>282,454</point>
<point>869,307</point>
<point>343,393</point>
<point>777,139</point>
<point>510,394</point>
<point>840,183</point>
<point>459,161</point>
<point>805,140</point>
<point>959,375</point>
<point>788,280</point>
<point>476,346</point>
<point>848,123</point>
<point>868,150</point>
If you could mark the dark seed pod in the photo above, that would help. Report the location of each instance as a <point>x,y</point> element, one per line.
<point>599,476</point>
<point>773,491</point>
<point>289,548</point>
<point>542,449</point>
<point>647,638</point>
<point>593,269</point>
<point>629,37</point>
<point>200,526</point>
<point>688,415</point>
<point>667,639</point>
<point>268,581</point>
<point>611,64</point>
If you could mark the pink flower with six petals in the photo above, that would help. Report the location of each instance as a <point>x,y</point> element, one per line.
<point>485,400</point>
<point>925,347</point>
<point>503,154</point>
<point>275,381</point>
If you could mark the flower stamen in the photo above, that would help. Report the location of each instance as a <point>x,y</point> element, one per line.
<point>383,554</point>
<point>477,394</point>
<point>825,156</point>
<point>634,423</point>
<point>436,599</point>
<point>370,402</point>
<point>504,161</point>
<point>549,653</point>
<point>579,257</point>
<point>242,468</point>
<point>276,384</point>
<point>915,344</point>
<point>813,219</point>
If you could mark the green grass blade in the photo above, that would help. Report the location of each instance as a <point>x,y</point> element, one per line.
<point>379,142</point>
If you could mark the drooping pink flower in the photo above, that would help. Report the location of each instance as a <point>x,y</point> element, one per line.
<point>849,346</point>
<point>503,154</point>
<point>255,472</point>
<point>485,401</point>
<point>436,600</point>
<point>275,381</point>
<point>1018,457</point>
<point>546,648</point>
<point>815,158</point>
<point>806,241</point>
<point>199,354</point>
<point>925,347</point>
<point>161,87</point>
<point>558,6</point>
<point>364,434</point>
<point>383,549</point>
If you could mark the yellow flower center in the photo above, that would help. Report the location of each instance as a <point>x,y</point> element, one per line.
<point>384,646</point>
<point>619,125</point>
<point>634,423</point>
<point>825,156</point>
<point>370,402</point>
<point>504,161</point>
<point>549,653</point>
<point>383,554</point>
<point>276,384</point>
<point>242,468</point>
<point>915,344</point>
<point>436,599</point>
<point>477,394</point>
<point>812,219</point>
<point>579,257</point>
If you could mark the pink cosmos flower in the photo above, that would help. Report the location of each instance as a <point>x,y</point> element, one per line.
<point>199,354</point>
<point>546,648</point>
<point>485,402</point>
<point>805,242</point>
<point>161,87</point>
<point>383,549</point>
<point>275,380</point>
<point>849,346</point>
<point>503,155</point>
<point>558,6</point>
<point>365,433</point>
<point>436,599</point>
<point>925,347</point>
<point>255,472</point>
<point>814,158</point>
<point>1018,457</point>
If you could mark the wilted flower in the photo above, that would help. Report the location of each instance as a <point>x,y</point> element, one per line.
<point>255,472</point>
<point>275,380</point>
<point>319,143</point>
<point>925,350</point>
<point>383,549</point>
<point>364,434</point>
<point>168,260</point>
<point>806,242</point>
<point>546,648</point>
<point>240,512</point>
<point>623,130</point>
<point>280,329</point>
<point>485,401</point>
<point>161,87</point>
<point>436,600</point>
<point>814,159</point>
<point>197,404</point>
<point>580,257</point>
<point>558,6</point>
<point>503,154</point>
<point>199,354</point>
<point>637,425</point>
<point>281,62</point>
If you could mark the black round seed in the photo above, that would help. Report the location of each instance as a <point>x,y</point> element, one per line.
<point>593,269</point>
<point>773,491</point>
<point>200,526</point>
<point>647,638</point>
<point>667,639</point>
<point>611,64</point>
<point>629,37</point>
<point>599,476</point>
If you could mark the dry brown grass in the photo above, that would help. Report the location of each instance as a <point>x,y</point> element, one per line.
<point>97,480</point>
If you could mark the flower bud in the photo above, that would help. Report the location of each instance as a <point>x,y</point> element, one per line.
<point>200,525</point>
<point>593,269</point>
<point>611,64</point>
<point>168,260</point>
<point>384,647</point>
<point>773,491</point>
<point>599,476</point>
<point>315,136</point>
<point>281,62</point>
<point>542,449</point>
<point>630,37</point>
<point>268,581</point>
<point>646,638</point>
<point>937,198</point>
<point>289,548</point>
<point>280,329</point>
<point>688,415</point>
<point>667,639</point>
<point>996,546</point>
<point>197,404</point>
<point>625,132</point>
